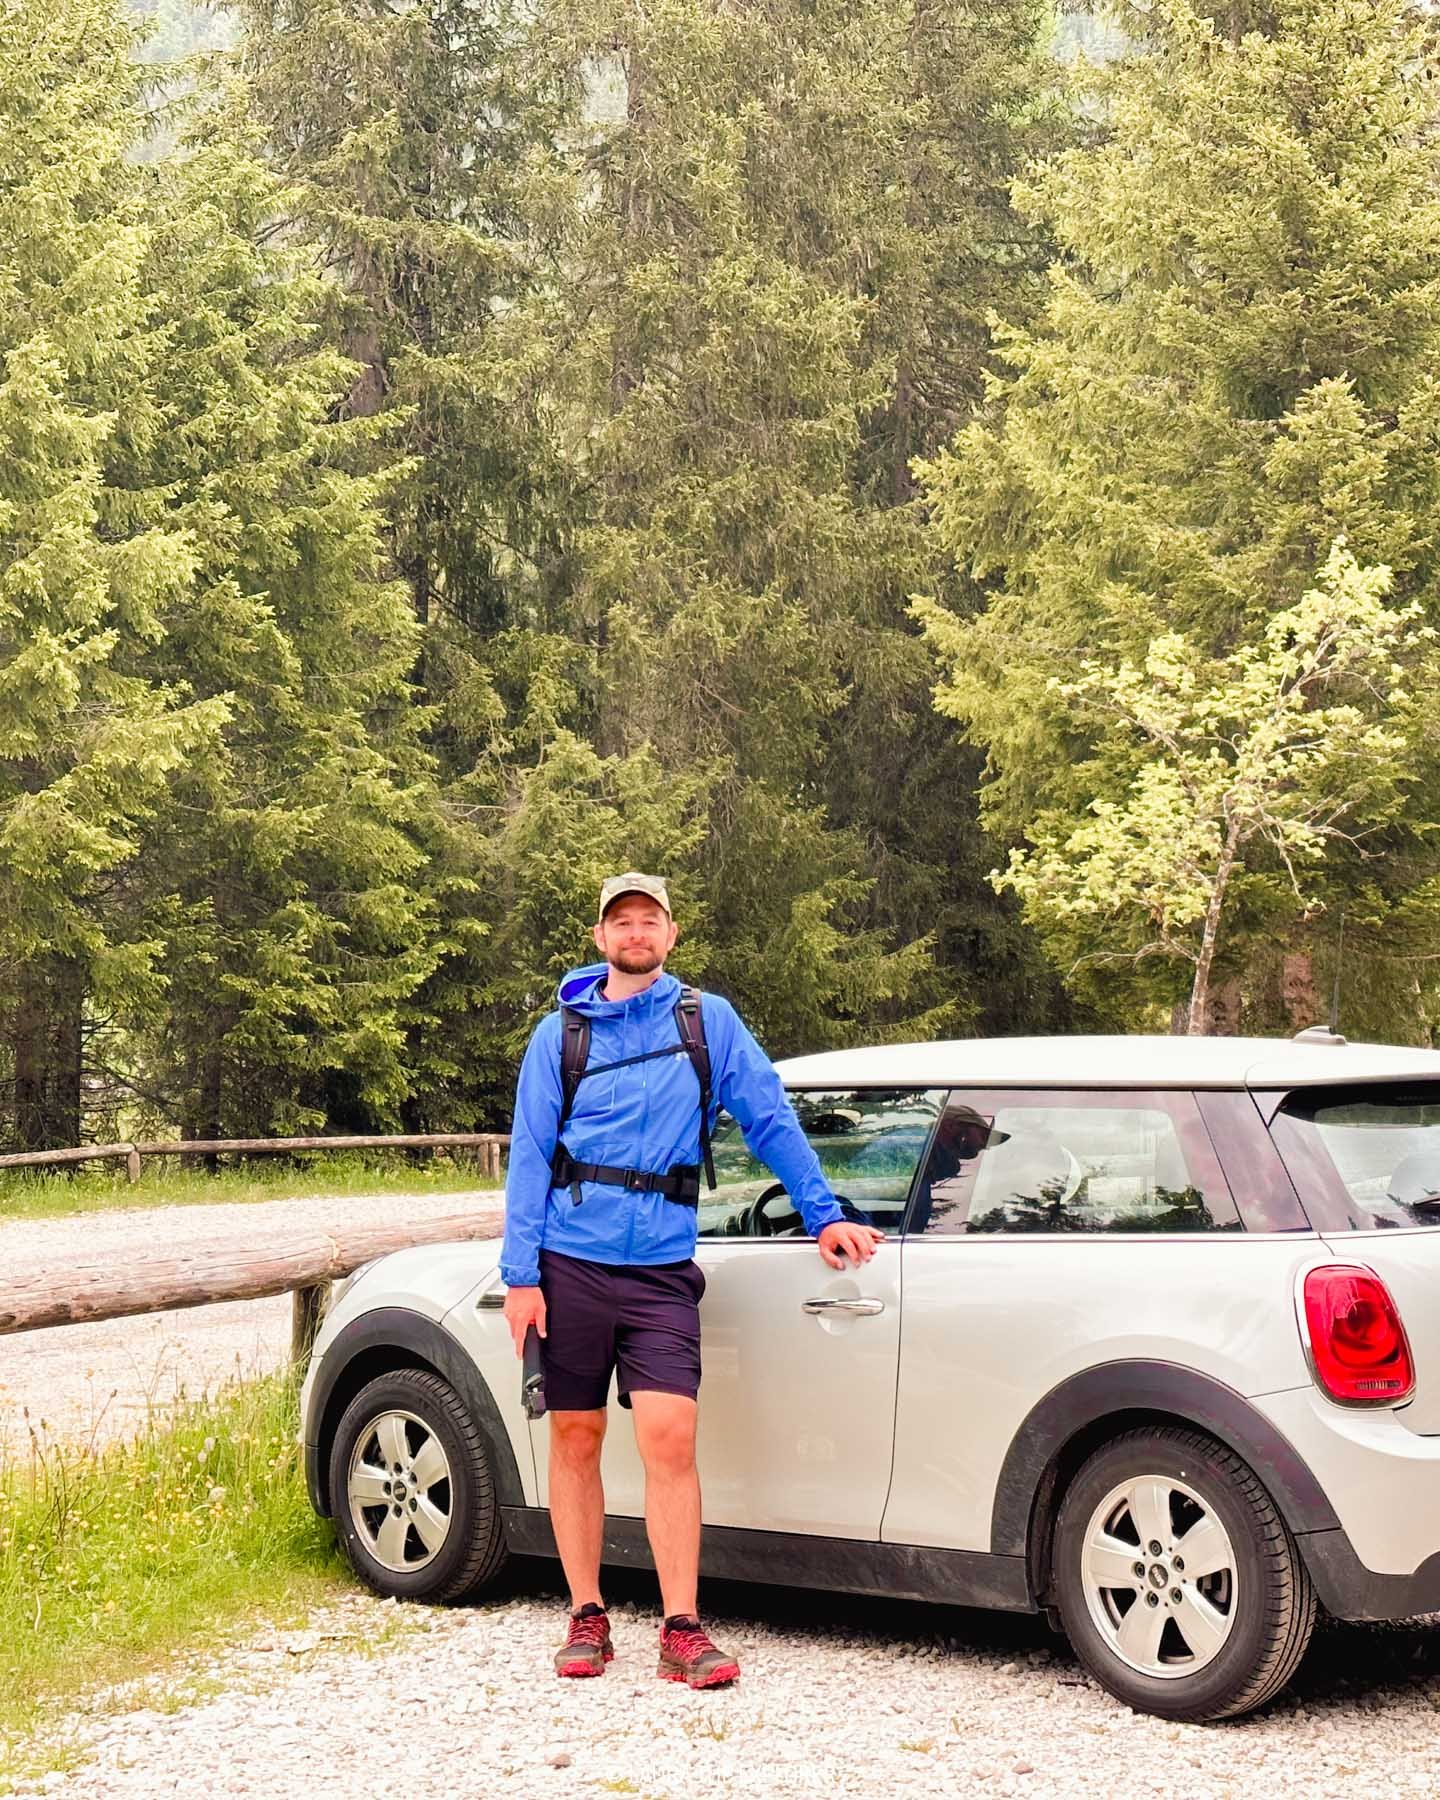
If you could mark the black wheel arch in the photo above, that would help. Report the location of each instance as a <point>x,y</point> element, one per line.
<point>376,1343</point>
<point>1087,1410</point>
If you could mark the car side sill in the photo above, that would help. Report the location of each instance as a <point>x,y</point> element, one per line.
<point>795,1559</point>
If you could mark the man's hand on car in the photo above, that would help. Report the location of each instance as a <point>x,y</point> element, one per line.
<point>524,1307</point>
<point>841,1239</point>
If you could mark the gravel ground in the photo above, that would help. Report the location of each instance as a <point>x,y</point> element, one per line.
<point>104,1380</point>
<point>837,1697</point>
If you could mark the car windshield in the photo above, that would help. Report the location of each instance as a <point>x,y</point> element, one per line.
<point>1384,1146</point>
<point>869,1142</point>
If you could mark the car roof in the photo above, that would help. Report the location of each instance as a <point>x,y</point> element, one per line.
<point>1104,1062</point>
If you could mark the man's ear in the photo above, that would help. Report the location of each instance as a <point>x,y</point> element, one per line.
<point>599,940</point>
<point>674,934</point>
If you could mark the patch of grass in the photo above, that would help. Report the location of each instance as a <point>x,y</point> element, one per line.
<point>115,1560</point>
<point>176,1181</point>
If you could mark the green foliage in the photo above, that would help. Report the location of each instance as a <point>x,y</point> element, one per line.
<point>744,336</point>
<point>214,1501</point>
<point>405,139</point>
<point>454,451</point>
<point>212,773</point>
<point>1288,745</point>
<point>1233,368</point>
<point>295,929</point>
<point>92,731</point>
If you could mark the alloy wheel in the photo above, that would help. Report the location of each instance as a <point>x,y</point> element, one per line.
<point>399,1491</point>
<point>1158,1572</point>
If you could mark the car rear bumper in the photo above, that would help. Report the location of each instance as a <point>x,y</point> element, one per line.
<point>1348,1590</point>
<point>1382,1481</point>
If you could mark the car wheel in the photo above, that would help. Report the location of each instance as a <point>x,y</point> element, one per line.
<point>413,1494</point>
<point>1177,1582</point>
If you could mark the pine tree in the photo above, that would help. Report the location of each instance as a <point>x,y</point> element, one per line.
<point>763,303</point>
<point>291,873</point>
<point>1233,369</point>
<point>405,139</point>
<point>92,732</point>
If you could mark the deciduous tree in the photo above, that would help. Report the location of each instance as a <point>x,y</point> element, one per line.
<point>1285,747</point>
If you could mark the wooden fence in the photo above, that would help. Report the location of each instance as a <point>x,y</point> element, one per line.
<point>33,1299</point>
<point>490,1142</point>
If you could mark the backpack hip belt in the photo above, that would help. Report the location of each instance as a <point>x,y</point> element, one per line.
<point>680,1182</point>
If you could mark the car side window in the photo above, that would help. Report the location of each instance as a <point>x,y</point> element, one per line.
<point>870,1143</point>
<point>1072,1161</point>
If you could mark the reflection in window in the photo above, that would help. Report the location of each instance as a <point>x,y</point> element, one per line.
<point>1384,1143</point>
<point>869,1142</point>
<point>1097,1165</point>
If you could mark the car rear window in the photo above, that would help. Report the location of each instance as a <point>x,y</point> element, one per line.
<point>1364,1158</point>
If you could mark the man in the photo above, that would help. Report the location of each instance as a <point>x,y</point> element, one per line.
<point>600,1229</point>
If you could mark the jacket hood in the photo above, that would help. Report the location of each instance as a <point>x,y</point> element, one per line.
<point>577,990</point>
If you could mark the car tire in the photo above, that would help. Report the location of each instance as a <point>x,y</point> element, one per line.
<point>1217,1633</point>
<point>413,1491</point>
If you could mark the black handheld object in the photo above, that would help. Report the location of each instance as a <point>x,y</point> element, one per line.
<point>532,1379</point>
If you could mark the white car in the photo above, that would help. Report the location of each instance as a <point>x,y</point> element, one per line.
<point>1152,1346</point>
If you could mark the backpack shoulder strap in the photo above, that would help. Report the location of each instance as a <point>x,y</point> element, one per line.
<point>574,1055</point>
<point>690,1023</point>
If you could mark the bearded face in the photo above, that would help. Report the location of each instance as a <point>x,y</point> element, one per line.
<point>636,935</point>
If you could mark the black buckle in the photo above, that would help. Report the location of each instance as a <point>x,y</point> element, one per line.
<point>637,1180</point>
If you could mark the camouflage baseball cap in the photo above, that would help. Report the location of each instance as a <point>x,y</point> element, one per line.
<point>632,882</point>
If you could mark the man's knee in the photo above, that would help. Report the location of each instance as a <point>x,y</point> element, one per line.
<point>665,1432</point>
<point>577,1437</point>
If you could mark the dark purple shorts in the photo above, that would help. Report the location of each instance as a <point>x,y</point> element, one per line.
<point>600,1317</point>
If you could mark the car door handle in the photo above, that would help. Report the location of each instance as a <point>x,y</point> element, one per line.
<point>865,1305</point>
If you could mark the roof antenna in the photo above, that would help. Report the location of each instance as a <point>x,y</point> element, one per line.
<point>1335,990</point>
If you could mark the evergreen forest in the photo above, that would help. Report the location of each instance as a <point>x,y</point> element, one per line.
<point>952,486</point>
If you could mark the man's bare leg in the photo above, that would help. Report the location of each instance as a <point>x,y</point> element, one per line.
<point>665,1434</point>
<point>577,1499</point>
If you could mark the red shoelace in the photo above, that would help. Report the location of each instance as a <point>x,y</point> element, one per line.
<point>589,1630</point>
<point>688,1643</point>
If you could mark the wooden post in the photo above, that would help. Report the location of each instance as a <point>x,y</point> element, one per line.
<point>132,1163</point>
<point>308,1309</point>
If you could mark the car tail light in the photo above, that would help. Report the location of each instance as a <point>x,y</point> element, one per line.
<point>1357,1342</point>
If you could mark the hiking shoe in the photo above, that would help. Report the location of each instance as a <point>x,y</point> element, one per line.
<point>686,1654</point>
<point>587,1647</point>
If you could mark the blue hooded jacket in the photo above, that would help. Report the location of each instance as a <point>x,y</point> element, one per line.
<point>646,1116</point>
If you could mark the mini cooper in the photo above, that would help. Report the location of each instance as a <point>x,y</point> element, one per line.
<point>1152,1346</point>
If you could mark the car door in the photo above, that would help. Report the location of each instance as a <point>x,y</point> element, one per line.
<point>797,1398</point>
<point>1054,1232</point>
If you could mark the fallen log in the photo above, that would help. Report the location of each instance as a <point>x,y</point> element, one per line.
<point>34,1298</point>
